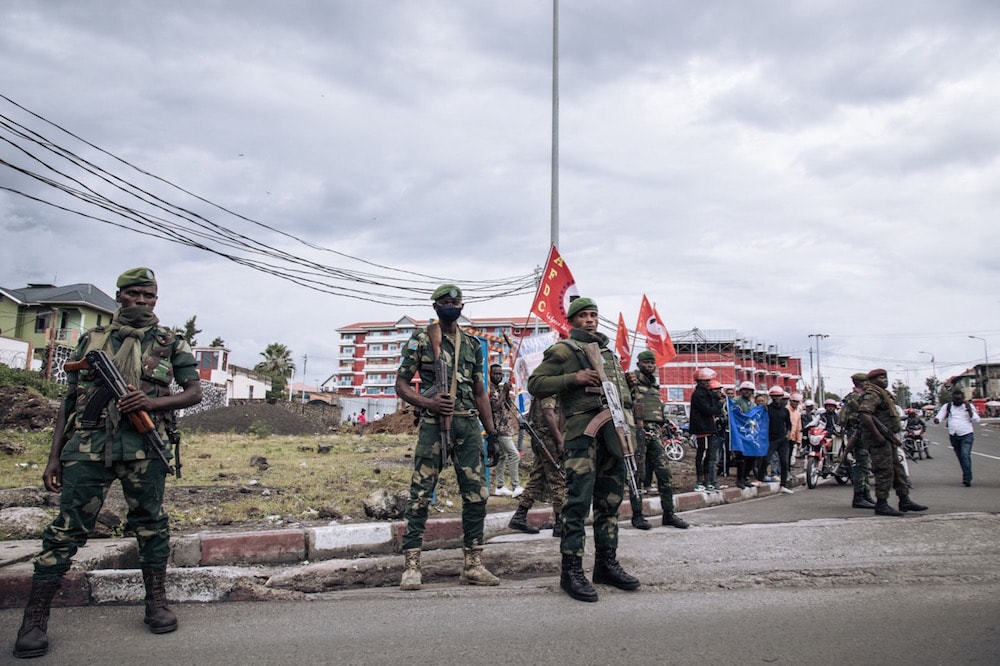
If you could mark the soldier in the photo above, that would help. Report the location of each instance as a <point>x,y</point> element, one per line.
<point>546,420</point>
<point>648,411</point>
<point>879,424</point>
<point>851,424</point>
<point>467,403</point>
<point>510,459</point>
<point>83,463</point>
<point>595,472</point>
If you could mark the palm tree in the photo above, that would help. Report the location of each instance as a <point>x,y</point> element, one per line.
<point>277,365</point>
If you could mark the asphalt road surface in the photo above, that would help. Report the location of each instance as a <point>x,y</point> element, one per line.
<point>799,578</point>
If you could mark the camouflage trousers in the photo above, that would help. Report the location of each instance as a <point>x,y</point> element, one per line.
<point>467,457</point>
<point>888,470</point>
<point>650,456</point>
<point>595,476</point>
<point>862,468</point>
<point>544,477</point>
<point>85,485</point>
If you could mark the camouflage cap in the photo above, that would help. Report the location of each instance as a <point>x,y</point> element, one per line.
<point>136,276</point>
<point>646,356</point>
<point>859,377</point>
<point>449,290</point>
<point>580,304</point>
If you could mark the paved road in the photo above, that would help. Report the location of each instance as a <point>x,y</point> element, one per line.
<point>797,578</point>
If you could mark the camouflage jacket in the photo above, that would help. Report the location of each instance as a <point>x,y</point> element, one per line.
<point>418,356</point>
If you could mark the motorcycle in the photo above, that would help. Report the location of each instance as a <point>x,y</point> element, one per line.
<point>914,444</point>
<point>821,462</point>
<point>672,442</point>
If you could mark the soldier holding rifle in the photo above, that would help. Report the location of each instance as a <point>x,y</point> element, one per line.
<point>595,450</point>
<point>96,441</point>
<point>446,356</point>
<point>545,424</point>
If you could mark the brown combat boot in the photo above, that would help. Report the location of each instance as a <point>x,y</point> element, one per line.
<point>32,641</point>
<point>411,570</point>
<point>159,618</point>
<point>474,573</point>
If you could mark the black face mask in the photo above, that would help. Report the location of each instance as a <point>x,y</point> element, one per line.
<point>448,313</point>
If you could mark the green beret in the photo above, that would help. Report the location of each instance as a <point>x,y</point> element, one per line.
<point>136,276</point>
<point>448,290</point>
<point>860,377</point>
<point>646,356</point>
<point>580,304</point>
<point>872,374</point>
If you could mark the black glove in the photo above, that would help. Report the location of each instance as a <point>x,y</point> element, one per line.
<point>492,449</point>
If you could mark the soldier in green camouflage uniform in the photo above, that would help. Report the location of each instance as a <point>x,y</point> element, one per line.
<point>879,424</point>
<point>649,420</point>
<point>469,404</point>
<point>544,416</point>
<point>83,463</point>
<point>855,445</point>
<point>595,470</point>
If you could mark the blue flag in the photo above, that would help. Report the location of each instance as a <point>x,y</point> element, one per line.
<point>748,432</point>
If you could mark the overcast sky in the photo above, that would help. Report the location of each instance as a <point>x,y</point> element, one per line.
<point>775,168</point>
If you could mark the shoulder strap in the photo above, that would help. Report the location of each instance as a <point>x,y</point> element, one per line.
<point>968,408</point>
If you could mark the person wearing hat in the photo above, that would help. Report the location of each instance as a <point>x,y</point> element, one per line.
<point>779,425</point>
<point>879,425</point>
<point>595,471</point>
<point>706,408</point>
<point>467,403</point>
<point>795,436</point>
<point>861,469</point>
<point>85,460</point>
<point>744,403</point>
<point>648,412</point>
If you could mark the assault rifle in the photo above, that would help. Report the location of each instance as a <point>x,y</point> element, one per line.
<point>112,386</point>
<point>536,439</point>
<point>610,393</point>
<point>440,376</point>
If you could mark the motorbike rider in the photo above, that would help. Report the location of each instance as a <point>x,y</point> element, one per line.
<point>828,418</point>
<point>916,426</point>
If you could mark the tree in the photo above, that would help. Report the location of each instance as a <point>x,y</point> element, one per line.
<point>277,365</point>
<point>188,331</point>
<point>901,393</point>
<point>218,342</point>
<point>933,388</point>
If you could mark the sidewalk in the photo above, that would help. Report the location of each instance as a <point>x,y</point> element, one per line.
<point>289,563</point>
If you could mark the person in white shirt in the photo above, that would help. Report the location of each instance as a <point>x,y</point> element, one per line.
<point>959,416</point>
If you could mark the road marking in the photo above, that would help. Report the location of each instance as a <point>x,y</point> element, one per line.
<point>975,453</point>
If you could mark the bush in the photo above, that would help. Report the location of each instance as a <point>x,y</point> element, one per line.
<point>259,429</point>
<point>31,380</point>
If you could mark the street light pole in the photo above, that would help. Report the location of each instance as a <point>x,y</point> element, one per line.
<point>985,388</point>
<point>821,394</point>
<point>934,391</point>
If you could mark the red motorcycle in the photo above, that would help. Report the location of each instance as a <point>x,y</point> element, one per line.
<point>914,444</point>
<point>821,461</point>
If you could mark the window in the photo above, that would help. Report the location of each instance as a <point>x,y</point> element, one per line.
<point>42,322</point>
<point>675,393</point>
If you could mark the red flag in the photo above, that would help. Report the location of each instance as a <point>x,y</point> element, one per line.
<point>556,287</point>
<point>657,338</point>
<point>622,345</point>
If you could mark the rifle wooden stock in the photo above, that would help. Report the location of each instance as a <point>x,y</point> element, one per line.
<point>609,392</point>
<point>440,377</point>
<point>99,362</point>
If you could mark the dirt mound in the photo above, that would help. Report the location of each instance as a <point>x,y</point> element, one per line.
<point>21,409</point>
<point>239,419</point>
<point>398,423</point>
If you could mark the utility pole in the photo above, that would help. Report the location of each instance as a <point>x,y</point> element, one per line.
<point>984,390</point>
<point>821,393</point>
<point>934,391</point>
<point>305,360</point>
<point>554,212</point>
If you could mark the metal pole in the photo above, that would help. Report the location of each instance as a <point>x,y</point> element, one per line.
<point>554,221</point>
<point>985,388</point>
<point>819,372</point>
<point>934,392</point>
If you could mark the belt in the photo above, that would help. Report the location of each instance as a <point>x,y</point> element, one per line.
<point>465,413</point>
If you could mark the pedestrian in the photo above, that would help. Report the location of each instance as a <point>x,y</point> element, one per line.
<point>87,456</point>
<point>466,403</point>
<point>594,465</point>
<point>510,459</point>
<point>362,422</point>
<point>879,425</point>
<point>795,436</point>
<point>959,417</point>
<point>648,413</point>
<point>779,425</point>
<point>856,444</point>
<point>705,410</point>
<point>745,402</point>
<point>547,476</point>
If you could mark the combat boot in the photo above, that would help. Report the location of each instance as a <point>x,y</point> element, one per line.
<point>32,641</point>
<point>520,522</point>
<point>868,497</point>
<point>573,581</point>
<point>861,502</point>
<point>159,618</point>
<point>473,572</point>
<point>557,527</point>
<point>638,520</point>
<point>673,520</point>
<point>882,508</point>
<point>411,570</point>
<point>607,571</point>
<point>906,504</point>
